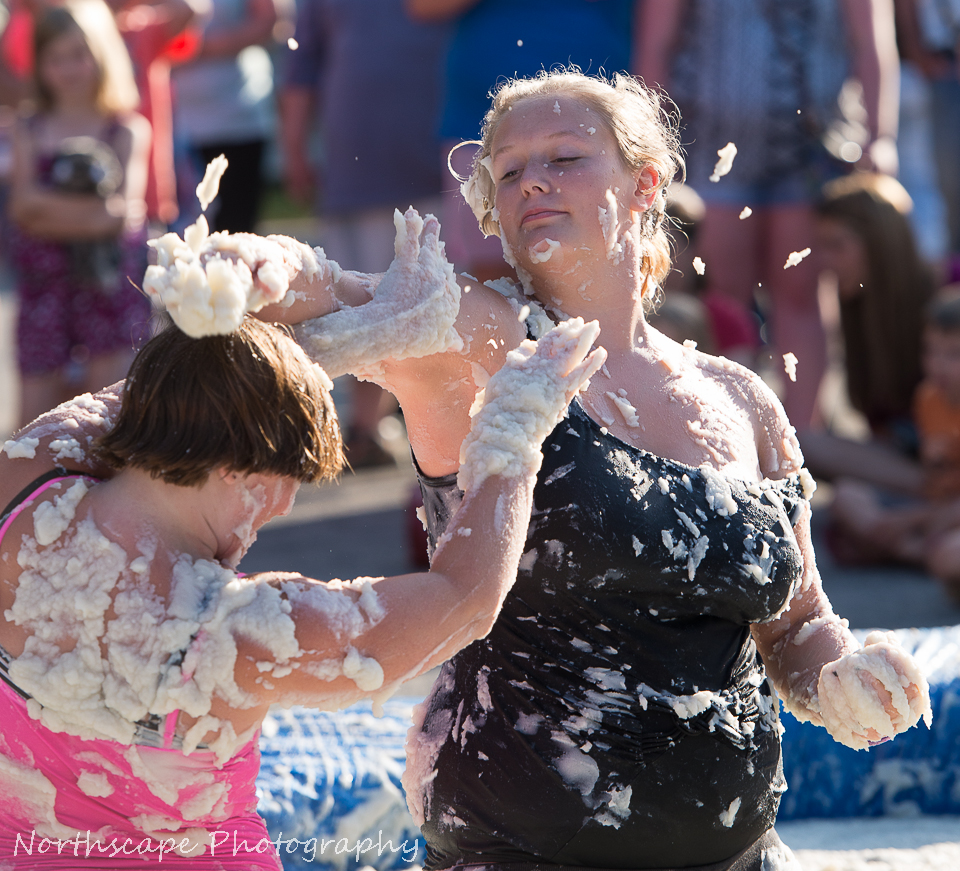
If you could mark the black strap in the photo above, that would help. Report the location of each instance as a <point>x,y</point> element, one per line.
<point>35,485</point>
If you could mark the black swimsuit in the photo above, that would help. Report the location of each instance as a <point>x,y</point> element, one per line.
<point>573,734</point>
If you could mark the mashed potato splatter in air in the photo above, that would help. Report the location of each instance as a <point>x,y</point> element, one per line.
<point>209,281</point>
<point>725,163</point>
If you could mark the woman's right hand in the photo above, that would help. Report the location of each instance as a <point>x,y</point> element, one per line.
<point>525,399</point>
<point>412,314</point>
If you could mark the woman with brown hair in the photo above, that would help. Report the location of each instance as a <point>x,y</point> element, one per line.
<point>137,664</point>
<point>883,286</point>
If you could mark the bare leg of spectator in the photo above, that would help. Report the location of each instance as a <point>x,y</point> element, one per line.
<point>795,322</point>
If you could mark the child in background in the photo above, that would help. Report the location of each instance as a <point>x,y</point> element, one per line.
<point>85,92</point>
<point>937,403</point>
<point>923,530</point>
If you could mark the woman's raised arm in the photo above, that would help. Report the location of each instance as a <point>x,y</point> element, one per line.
<point>429,337</point>
<point>367,636</point>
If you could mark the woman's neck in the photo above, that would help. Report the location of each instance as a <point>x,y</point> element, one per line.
<point>609,290</point>
<point>133,505</point>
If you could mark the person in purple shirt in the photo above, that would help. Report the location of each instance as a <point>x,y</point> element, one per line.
<point>368,78</point>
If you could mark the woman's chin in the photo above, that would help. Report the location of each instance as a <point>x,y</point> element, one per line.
<point>543,252</point>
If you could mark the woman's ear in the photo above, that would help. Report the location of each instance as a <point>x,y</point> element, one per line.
<point>227,476</point>
<point>648,182</point>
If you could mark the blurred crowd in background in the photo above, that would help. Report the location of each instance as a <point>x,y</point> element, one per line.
<point>845,115</point>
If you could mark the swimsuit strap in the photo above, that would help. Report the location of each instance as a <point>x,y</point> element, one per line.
<point>32,490</point>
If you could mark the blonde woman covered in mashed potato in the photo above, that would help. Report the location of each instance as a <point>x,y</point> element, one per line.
<point>618,715</point>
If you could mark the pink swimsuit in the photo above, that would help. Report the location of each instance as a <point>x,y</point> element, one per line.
<point>68,802</point>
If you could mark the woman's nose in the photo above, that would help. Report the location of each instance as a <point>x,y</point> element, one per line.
<point>535,178</point>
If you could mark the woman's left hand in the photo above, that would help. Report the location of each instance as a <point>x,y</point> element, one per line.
<point>868,696</point>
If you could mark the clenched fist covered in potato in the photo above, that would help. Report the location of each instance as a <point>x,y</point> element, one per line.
<point>868,696</point>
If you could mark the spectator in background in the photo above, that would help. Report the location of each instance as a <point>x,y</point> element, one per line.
<point>16,50</point>
<point>155,33</point>
<point>929,32</point>
<point>865,239</point>
<point>498,39</point>
<point>869,523</point>
<point>371,78</point>
<point>766,76</point>
<point>80,169</point>
<point>159,33</point>
<point>224,105</point>
<point>918,171</point>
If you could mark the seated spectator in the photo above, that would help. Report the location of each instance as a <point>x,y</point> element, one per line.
<point>865,240</point>
<point>869,522</point>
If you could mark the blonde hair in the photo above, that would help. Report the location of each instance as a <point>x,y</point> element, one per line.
<point>116,88</point>
<point>645,130</point>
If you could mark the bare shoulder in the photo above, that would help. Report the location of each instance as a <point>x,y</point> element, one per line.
<point>777,447</point>
<point>488,311</point>
<point>64,437</point>
<point>437,392</point>
<point>490,326</point>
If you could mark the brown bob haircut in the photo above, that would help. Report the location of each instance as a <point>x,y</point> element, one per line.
<point>250,401</point>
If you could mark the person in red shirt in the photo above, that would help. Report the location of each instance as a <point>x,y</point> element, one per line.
<point>159,33</point>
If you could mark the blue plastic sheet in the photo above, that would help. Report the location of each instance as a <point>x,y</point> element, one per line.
<point>329,788</point>
<point>916,773</point>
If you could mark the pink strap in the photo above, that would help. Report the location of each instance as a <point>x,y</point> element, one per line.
<point>13,515</point>
<point>170,729</point>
